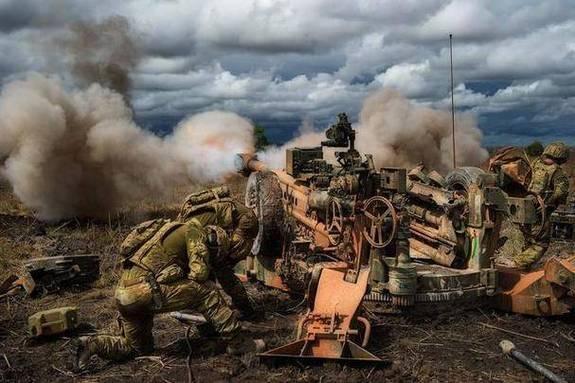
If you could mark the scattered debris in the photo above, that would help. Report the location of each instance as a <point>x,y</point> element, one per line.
<point>519,334</point>
<point>13,284</point>
<point>52,273</point>
<point>7,361</point>
<point>508,348</point>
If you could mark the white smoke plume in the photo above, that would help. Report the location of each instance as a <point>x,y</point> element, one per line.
<point>400,133</point>
<point>207,143</point>
<point>80,154</point>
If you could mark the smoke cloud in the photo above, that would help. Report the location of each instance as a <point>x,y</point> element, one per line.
<point>104,53</point>
<point>80,154</point>
<point>400,133</point>
<point>207,142</point>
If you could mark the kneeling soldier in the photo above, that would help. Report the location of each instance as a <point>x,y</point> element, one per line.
<point>165,267</point>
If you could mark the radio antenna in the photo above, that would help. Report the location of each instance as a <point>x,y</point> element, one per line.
<point>452,103</point>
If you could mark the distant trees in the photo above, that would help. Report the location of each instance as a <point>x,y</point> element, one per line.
<point>260,138</point>
<point>534,149</point>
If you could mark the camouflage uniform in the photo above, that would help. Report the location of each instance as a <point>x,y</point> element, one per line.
<point>242,221</point>
<point>179,259</point>
<point>549,182</point>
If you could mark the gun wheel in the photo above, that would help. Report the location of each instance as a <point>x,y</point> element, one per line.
<point>334,222</point>
<point>264,197</point>
<point>380,222</point>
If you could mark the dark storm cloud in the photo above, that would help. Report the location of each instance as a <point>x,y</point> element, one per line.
<point>281,61</point>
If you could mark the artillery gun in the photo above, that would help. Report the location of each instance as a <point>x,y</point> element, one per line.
<point>424,238</point>
<point>349,234</point>
<point>353,234</point>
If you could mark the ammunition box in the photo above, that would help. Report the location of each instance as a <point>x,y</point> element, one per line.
<point>52,322</point>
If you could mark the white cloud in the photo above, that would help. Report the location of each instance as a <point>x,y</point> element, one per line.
<point>287,60</point>
<point>409,79</point>
<point>467,19</point>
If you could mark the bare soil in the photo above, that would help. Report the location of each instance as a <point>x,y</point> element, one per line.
<point>458,344</point>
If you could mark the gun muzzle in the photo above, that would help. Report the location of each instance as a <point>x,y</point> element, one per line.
<point>247,163</point>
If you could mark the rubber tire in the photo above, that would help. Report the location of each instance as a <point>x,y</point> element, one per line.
<point>461,178</point>
<point>264,196</point>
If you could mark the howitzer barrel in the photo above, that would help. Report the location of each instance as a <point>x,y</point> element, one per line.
<point>247,163</point>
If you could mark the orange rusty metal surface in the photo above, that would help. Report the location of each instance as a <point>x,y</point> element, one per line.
<point>561,272</point>
<point>277,283</point>
<point>295,199</point>
<point>328,326</point>
<point>545,292</point>
<point>251,162</point>
<point>326,331</point>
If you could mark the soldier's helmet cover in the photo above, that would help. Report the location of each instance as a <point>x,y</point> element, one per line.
<point>218,238</point>
<point>557,151</point>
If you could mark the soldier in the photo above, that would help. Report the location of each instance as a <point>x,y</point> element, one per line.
<point>165,268</point>
<point>550,183</point>
<point>242,224</point>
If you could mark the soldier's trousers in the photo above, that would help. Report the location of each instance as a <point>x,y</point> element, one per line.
<point>530,255</point>
<point>234,288</point>
<point>536,247</point>
<point>137,311</point>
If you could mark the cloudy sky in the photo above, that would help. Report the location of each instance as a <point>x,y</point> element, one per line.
<point>282,62</point>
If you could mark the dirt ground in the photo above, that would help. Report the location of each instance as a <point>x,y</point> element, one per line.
<point>457,344</point>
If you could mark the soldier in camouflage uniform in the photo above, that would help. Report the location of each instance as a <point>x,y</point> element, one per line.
<point>242,224</point>
<point>167,273</point>
<point>549,182</point>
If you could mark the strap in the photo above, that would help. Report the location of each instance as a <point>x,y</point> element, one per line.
<point>217,198</point>
<point>156,239</point>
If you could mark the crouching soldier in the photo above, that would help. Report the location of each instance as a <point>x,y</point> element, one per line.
<point>215,207</point>
<point>550,183</point>
<point>165,267</point>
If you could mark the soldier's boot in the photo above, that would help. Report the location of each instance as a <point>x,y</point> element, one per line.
<point>248,313</point>
<point>206,330</point>
<point>241,343</point>
<point>83,353</point>
<point>240,299</point>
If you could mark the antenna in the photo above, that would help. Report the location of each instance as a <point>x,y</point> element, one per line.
<point>452,103</point>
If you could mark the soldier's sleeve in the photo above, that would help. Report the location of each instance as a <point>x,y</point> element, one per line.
<point>560,187</point>
<point>198,255</point>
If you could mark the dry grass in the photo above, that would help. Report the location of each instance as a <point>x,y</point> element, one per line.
<point>9,204</point>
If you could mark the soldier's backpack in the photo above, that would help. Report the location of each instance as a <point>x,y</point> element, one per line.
<point>142,234</point>
<point>200,201</point>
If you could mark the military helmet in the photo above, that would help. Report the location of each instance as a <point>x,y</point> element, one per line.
<point>218,239</point>
<point>557,151</point>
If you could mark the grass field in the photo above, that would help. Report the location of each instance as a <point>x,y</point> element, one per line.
<point>458,344</point>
